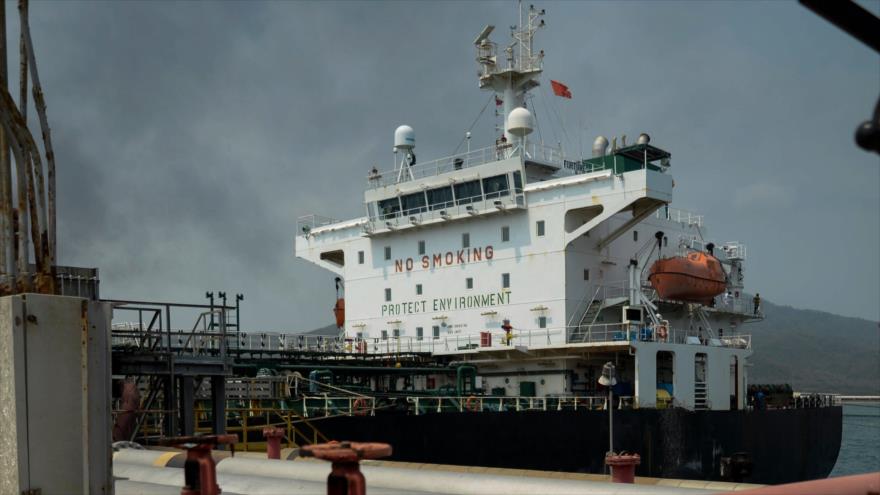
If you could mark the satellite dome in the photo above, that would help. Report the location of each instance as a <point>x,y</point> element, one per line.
<point>600,145</point>
<point>643,139</point>
<point>404,138</point>
<point>520,122</point>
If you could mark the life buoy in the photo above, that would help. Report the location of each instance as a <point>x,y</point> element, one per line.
<point>472,404</point>
<point>360,407</point>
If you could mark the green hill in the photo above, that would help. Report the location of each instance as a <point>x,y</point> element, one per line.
<point>815,351</point>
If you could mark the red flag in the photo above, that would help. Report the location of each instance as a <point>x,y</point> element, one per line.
<point>560,89</point>
<point>498,101</point>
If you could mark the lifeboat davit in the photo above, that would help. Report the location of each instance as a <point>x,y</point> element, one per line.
<point>339,311</point>
<point>697,277</point>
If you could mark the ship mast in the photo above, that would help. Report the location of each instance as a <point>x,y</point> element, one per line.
<point>521,68</point>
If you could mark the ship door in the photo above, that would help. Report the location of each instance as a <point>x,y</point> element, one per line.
<point>734,383</point>
<point>665,379</point>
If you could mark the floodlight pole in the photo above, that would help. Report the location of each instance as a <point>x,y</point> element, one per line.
<point>610,422</point>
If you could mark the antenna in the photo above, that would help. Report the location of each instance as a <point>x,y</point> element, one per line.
<point>523,65</point>
<point>484,34</point>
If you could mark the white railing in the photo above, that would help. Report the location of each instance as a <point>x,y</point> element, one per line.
<point>273,342</point>
<point>483,403</point>
<point>306,223</point>
<point>682,217</point>
<point>461,161</point>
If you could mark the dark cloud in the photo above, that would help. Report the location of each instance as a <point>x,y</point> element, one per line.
<point>191,135</point>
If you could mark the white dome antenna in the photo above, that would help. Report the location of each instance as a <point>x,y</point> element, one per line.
<point>405,140</point>
<point>520,122</point>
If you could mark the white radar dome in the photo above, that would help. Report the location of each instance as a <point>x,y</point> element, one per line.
<point>520,122</point>
<point>643,139</point>
<point>404,138</point>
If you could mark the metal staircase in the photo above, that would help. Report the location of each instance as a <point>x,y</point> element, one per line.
<point>581,331</point>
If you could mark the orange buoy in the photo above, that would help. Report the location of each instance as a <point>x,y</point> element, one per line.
<point>339,311</point>
<point>697,277</point>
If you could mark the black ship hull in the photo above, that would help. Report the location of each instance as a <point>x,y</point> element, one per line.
<point>783,446</point>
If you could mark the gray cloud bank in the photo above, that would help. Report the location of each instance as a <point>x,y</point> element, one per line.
<point>190,136</point>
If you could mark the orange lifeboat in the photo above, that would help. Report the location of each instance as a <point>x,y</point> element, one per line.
<point>339,311</point>
<point>697,277</point>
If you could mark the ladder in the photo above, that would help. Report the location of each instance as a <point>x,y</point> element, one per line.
<point>701,401</point>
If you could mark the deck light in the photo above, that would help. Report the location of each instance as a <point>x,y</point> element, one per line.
<point>607,379</point>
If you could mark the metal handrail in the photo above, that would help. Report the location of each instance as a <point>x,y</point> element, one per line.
<point>283,342</point>
<point>497,403</point>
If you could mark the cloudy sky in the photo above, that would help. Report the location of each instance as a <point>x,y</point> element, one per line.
<point>190,136</point>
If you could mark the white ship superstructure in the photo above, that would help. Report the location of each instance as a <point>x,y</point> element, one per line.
<point>450,249</point>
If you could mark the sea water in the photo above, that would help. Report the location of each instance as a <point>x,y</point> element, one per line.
<point>860,446</point>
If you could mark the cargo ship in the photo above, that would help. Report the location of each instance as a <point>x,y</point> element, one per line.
<point>516,306</point>
<point>534,269</point>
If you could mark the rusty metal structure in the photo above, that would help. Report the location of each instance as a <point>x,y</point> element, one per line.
<point>199,469</point>
<point>27,198</point>
<point>346,477</point>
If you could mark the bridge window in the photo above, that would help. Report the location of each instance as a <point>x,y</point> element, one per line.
<point>360,257</point>
<point>418,289</point>
<point>420,333</point>
<point>387,252</point>
<point>517,181</point>
<point>505,280</point>
<point>421,247</point>
<point>468,192</point>
<point>384,334</point>
<point>542,322</point>
<point>389,208</point>
<point>469,283</point>
<point>387,295</point>
<point>539,227</point>
<point>505,233</point>
<point>436,331</point>
<point>465,240</point>
<point>395,333</point>
<point>440,198</point>
<point>413,203</point>
<point>496,187</point>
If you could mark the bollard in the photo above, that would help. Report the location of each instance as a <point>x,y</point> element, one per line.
<point>199,470</point>
<point>623,466</point>
<point>273,436</point>
<point>345,475</point>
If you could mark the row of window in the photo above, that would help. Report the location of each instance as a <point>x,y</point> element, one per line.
<point>468,284</point>
<point>420,333</point>
<point>435,331</point>
<point>448,196</point>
